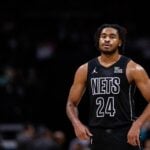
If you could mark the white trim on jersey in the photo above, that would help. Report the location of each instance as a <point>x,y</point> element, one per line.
<point>130,102</point>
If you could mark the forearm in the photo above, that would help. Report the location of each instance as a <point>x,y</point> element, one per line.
<point>72,113</point>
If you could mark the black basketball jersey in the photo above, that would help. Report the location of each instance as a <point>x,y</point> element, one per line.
<point>111,95</point>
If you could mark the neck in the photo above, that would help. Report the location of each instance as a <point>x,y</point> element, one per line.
<point>108,60</point>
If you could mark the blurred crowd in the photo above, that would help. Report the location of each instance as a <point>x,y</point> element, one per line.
<point>31,137</point>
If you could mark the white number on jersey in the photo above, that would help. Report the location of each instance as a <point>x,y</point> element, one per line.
<point>109,107</point>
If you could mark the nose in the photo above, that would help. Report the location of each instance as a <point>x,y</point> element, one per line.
<point>107,39</point>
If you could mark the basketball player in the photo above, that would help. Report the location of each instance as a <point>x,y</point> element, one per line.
<point>110,79</point>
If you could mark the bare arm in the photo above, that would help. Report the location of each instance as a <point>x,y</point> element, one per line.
<point>138,75</point>
<point>75,95</point>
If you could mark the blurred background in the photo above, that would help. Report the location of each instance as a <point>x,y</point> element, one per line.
<point>41,45</point>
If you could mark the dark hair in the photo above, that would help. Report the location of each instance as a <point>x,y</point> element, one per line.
<point>121,32</point>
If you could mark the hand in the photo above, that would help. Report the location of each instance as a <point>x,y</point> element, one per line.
<point>133,134</point>
<point>82,132</point>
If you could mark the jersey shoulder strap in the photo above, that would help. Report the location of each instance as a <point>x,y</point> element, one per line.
<point>92,64</point>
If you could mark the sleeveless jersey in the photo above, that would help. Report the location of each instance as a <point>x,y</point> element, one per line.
<point>111,95</point>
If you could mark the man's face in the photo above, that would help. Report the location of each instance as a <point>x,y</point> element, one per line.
<point>109,40</point>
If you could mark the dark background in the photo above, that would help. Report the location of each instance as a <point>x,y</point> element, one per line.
<point>43,42</point>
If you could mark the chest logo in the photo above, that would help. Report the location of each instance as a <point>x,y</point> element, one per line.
<point>118,70</point>
<point>94,71</point>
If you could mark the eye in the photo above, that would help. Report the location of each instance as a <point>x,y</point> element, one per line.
<point>103,36</point>
<point>113,36</point>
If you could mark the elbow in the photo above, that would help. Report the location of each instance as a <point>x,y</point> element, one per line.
<point>67,108</point>
<point>148,99</point>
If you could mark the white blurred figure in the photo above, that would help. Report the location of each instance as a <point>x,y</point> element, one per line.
<point>77,144</point>
<point>60,138</point>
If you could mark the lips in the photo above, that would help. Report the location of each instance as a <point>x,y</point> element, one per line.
<point>106,45</point>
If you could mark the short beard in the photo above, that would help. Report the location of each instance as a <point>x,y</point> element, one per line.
<point>108,52</point>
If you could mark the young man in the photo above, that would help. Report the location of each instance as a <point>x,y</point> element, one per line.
<point>110,79</point>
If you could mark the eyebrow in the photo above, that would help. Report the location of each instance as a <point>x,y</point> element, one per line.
<point>108,34</point>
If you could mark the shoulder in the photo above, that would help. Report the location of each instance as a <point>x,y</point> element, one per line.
<point>84,67</point>
<point>82,70</point>
<point>135,67</point>
<point>135,70</point>
<point>81,73</point>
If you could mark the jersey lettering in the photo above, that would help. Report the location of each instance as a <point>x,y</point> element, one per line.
<point>105,85</point>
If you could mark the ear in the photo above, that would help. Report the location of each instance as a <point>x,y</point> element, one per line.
<point>120,43</point>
